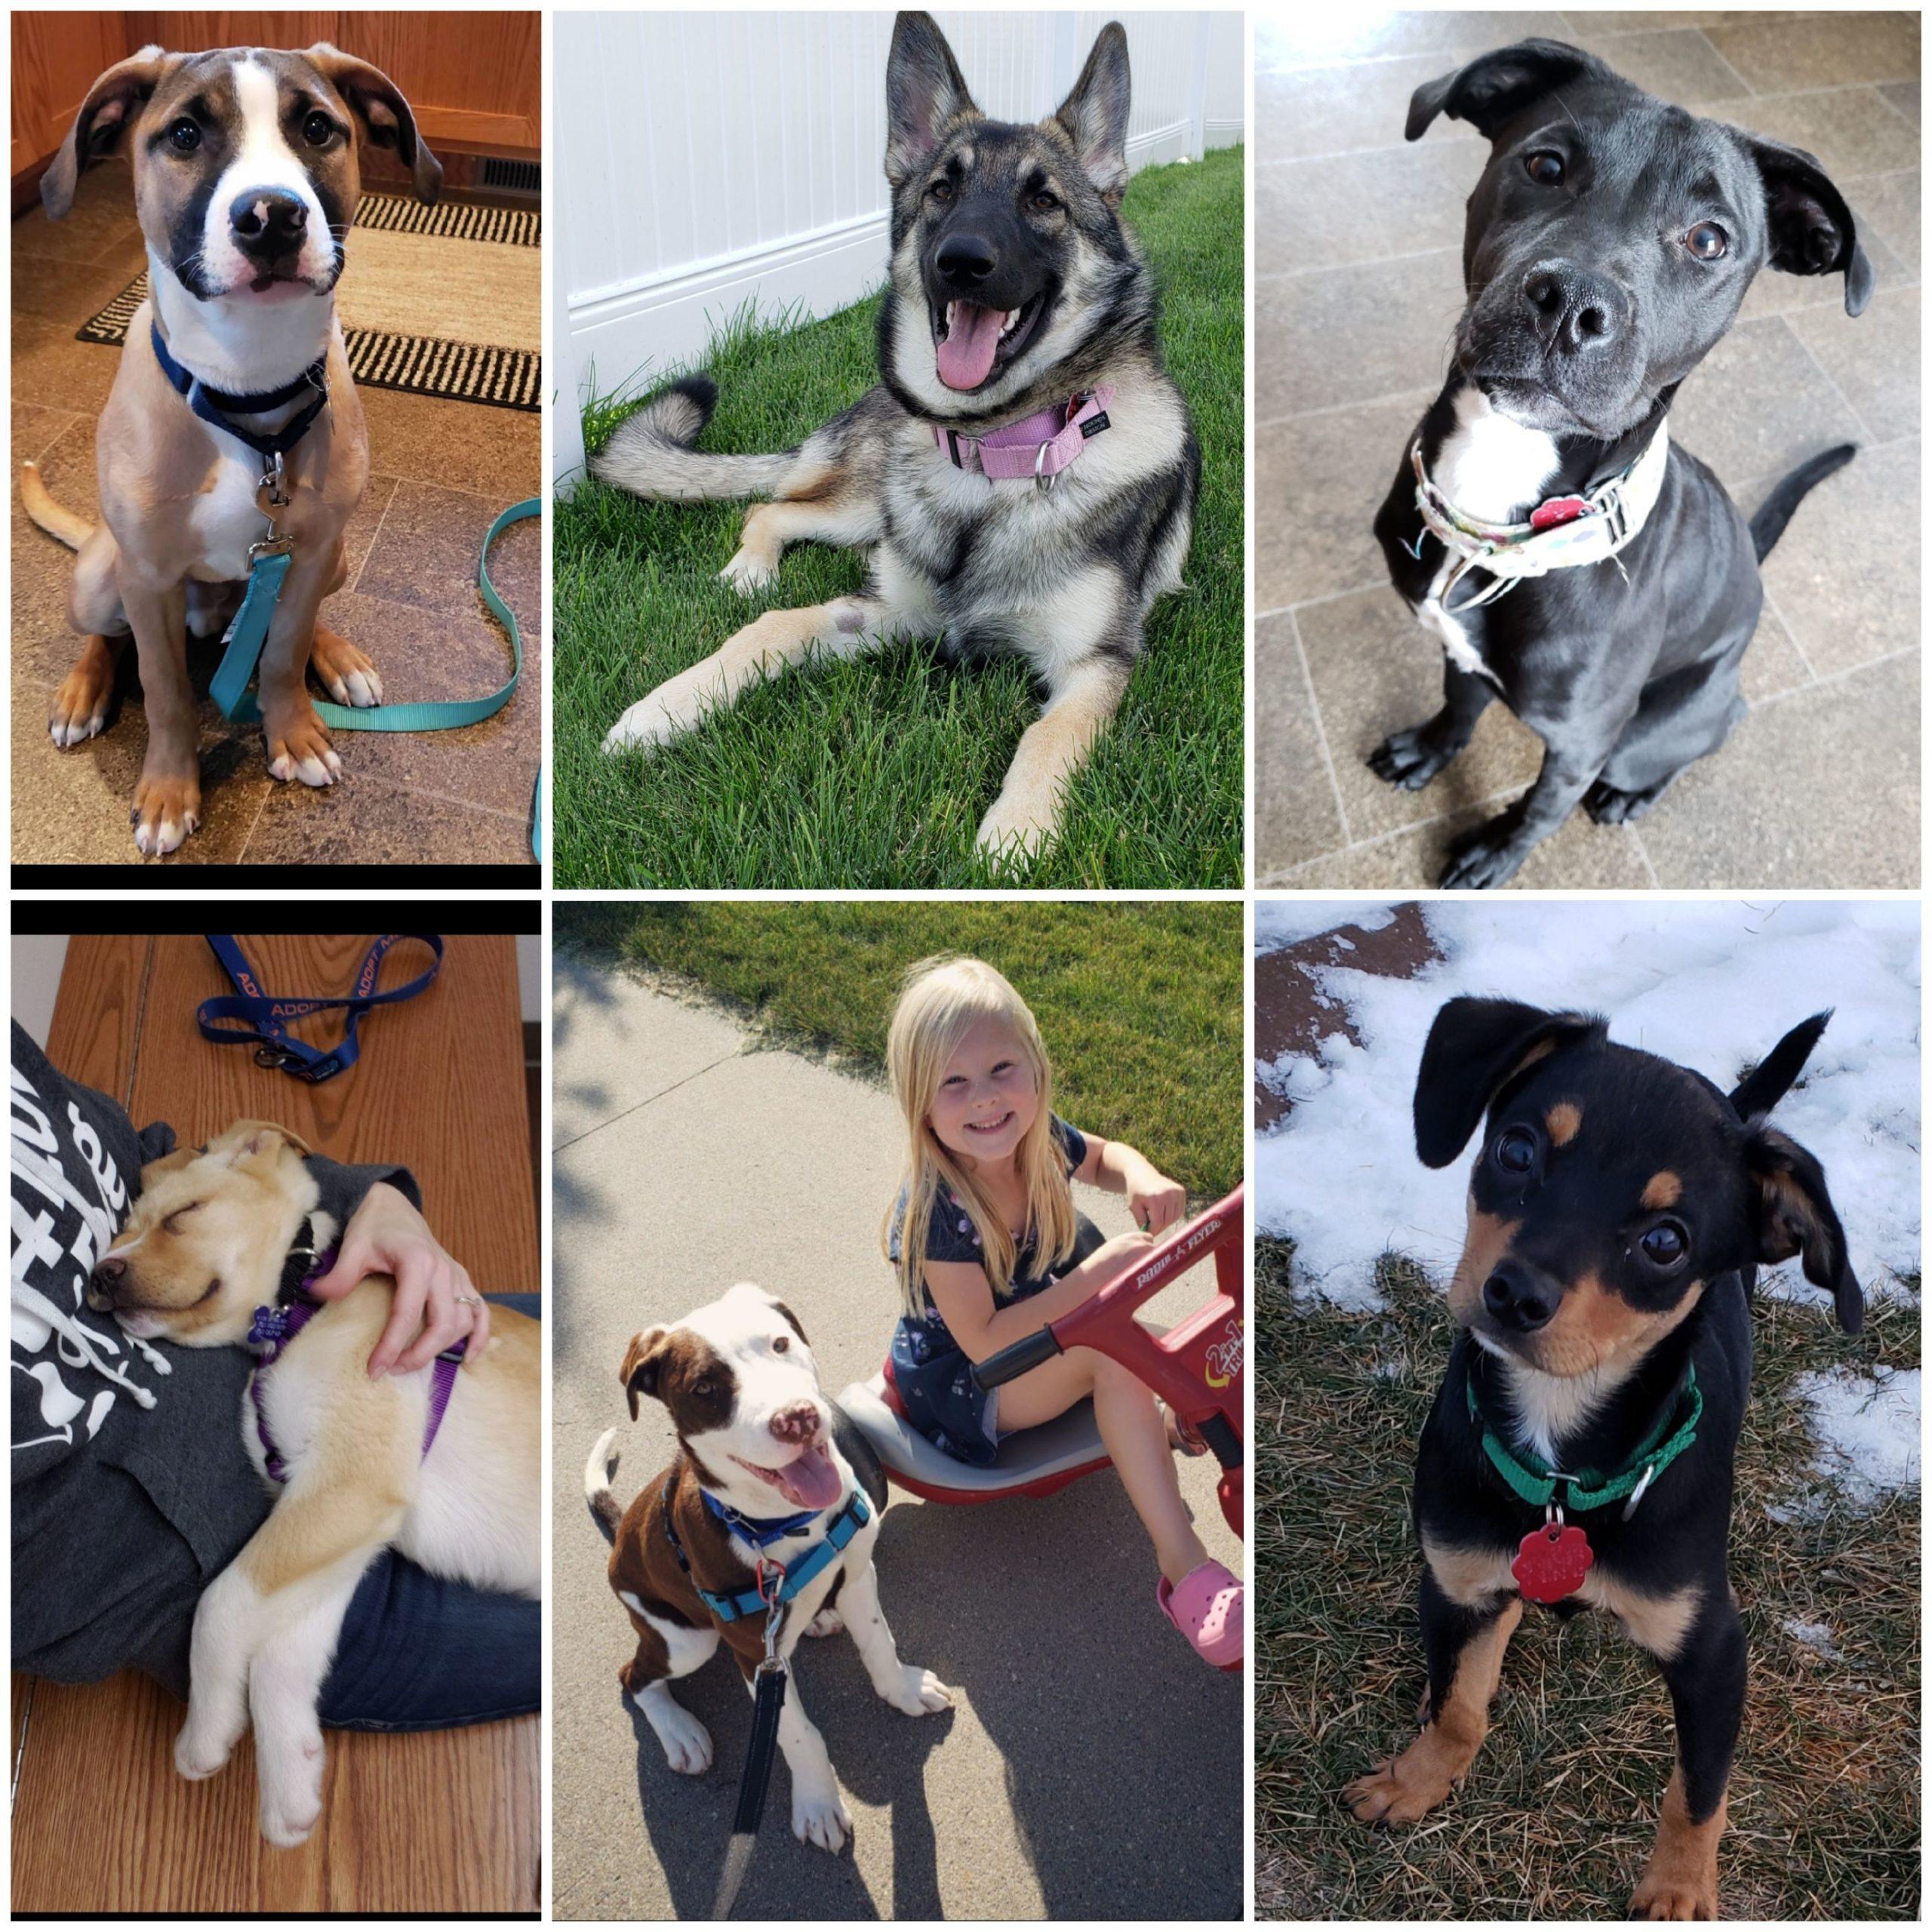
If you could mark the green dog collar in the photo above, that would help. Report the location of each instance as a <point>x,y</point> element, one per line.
<point>1539,1484</point>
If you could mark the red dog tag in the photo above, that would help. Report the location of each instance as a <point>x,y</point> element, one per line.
<point>1558,509</point>
<point>1551,1562</point>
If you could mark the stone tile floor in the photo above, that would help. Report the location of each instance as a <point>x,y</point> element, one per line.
<point>1358,240</point>
<point>441,472</point>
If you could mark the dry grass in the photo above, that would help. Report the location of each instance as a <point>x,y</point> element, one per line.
<point>1558,1815</point>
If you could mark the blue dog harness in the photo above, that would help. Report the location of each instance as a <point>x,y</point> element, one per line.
<point>775,1587</point>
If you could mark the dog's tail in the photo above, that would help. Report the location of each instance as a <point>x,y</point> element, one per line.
<point>1767,526</point>
<point>55,518</point>
<point>606,1511</point>
<point>651,454</point>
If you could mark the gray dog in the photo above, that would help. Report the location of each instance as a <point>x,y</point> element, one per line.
<point>1024,475</point>
<point>1541,523</point>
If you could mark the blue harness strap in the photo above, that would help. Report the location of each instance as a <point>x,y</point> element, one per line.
<point>728,1608</point>
<point>258,1016</point>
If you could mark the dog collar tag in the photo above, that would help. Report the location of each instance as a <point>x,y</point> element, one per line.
<point>1557,510</point>
<point>1551,1562</point>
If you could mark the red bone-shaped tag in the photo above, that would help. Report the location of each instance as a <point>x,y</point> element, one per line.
<point>1558,509</point>
<point>1551,1561</point>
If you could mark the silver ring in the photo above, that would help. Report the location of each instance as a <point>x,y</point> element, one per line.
<point>473,1301</point>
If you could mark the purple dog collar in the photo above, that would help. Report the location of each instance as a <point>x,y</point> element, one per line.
<point>1040,448</point>
<point>274,1327</point>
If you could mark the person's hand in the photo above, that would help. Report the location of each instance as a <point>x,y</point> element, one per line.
<point>1156,1202</point>
<point>436,1304</point>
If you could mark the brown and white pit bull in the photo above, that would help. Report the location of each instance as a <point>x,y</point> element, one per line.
<point>245,182</point>
<point>761,1453</point>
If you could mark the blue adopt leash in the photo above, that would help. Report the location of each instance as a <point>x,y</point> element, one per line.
<point>269,561</point>
<point>258,1015</point>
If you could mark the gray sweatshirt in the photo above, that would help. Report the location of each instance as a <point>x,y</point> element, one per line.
<point>131,1489</point>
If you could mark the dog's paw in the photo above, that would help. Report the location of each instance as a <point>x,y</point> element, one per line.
<point>1490,857</point>
<point>1410,759</point>
<point>1608,806</point>
<point>343,671</point>
<point>819,1817</point>
<point>299,748</point>
<point>920,1693</point>
<point>80,704</point>
<point>198,1753</point>
<point>648,723</point>
<point>749,572</point>
<point>1664,1898</point>
<point>291,1779</point>
<point>287,1824</point>
<point>826,1624</point>
<point>1398,1792</point>
<point>165,810</point>
<point>1010,836</point>
<point>686,1742</point>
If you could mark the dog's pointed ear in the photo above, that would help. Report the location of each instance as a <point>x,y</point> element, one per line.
<point>924,92</point>
<point>387,119</point>
<point>1474,1047</point>
<point>1812,229</point>
<point>1094,116</point>
<point>249,1138</point>
<point>108,111</point>
<point>1494,88</point>
<point>1768,1082</point>
<point>1794,1214</point>
<point>639,1372</point>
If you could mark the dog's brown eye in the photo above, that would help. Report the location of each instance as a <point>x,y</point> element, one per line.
<point>941,191</point>
<point>1544,167</point>
<point>1707,241</point>
<point>1515,1151</point>
<point>185,135</point>
<point>780,1344</point>
<point>1665,1244</point>
<point>317,129</point>
<point>1044,202</point>
<point>704,1391</point>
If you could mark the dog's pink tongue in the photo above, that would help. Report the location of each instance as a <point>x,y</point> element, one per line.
<point>812,1482</point>
<point>966,356</point>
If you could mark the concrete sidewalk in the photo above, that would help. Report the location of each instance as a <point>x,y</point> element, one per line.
<point>1093,1767</point>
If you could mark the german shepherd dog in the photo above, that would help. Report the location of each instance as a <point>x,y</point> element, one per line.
<point>1016,297</point>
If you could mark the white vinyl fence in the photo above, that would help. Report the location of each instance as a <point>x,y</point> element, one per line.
<point>704,160</point>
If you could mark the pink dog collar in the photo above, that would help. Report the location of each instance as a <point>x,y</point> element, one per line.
<point>1040,448</point>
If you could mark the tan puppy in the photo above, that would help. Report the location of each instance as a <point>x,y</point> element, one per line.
<point>205,1245</point>
<point>246,183</point>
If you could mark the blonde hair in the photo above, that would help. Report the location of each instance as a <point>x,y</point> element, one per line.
<point>943,999</point>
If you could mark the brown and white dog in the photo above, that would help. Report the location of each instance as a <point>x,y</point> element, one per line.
<point>756,1434</point>
<point>205,1244</point>
<point>246,183</point>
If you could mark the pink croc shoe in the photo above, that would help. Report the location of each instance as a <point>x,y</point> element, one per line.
<point>1206,1607</point>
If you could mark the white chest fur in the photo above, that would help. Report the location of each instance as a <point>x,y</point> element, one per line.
<point>1489,466</point>
<point>226,519</point>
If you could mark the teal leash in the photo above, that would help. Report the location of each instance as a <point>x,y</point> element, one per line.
<point>249,632</point>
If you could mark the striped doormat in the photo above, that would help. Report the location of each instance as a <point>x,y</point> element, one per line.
<point>490,255</point>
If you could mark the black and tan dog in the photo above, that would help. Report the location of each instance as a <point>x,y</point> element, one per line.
<point>1579,1451</point>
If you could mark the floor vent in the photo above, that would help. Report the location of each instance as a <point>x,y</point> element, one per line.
<point>511,177</point>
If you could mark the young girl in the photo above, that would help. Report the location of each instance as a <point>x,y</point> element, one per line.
<point>990,1248</point>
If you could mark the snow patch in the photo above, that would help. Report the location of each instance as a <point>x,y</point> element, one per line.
<point>1867,1428</point>
<point>1812,1637</point>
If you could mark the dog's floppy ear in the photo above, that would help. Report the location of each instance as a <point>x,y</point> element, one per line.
<point>167,1164</point>
<point>1794,1216</point>
<point>1474,1047</point>
<point>639,1372</point>
<point>1094,116</point>
<point>108,111</point>
<point>247,1138</point>
<point>386,117</point>
<point>924,90</point>
<point>1768,1082</point>
<point>1812,228</point>
<point>1494,88</point>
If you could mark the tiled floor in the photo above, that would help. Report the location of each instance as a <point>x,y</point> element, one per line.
<point>1357,240</point>
<point>441,472</point>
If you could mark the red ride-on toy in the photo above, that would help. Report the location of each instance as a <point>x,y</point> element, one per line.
<point>1198,1369</point>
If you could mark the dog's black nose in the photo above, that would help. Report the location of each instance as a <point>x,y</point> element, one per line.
<point>1519,1297</point>
<point>107,1273</point>
<point>1575,311</point>
<point>267,222</point>
<point>966,259</point>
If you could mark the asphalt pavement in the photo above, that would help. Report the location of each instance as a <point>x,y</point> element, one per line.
<point>1092,1767</point>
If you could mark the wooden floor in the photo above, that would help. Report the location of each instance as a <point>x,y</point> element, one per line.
<point>436,1821</point>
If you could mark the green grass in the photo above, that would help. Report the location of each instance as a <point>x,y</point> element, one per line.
<point>876,774</point>
<point>1139,1004</point>
<point>1556,1818</point>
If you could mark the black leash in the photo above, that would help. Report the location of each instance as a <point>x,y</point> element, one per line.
<point>768,1701</point>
